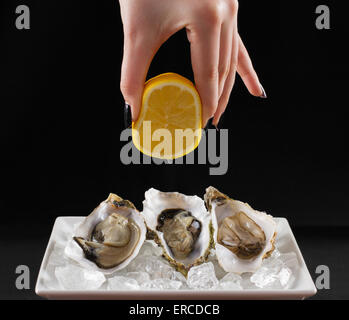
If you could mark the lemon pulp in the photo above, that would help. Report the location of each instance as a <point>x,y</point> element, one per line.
<point>169,123</point>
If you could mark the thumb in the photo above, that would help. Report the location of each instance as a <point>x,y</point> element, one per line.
<point>138,54</point>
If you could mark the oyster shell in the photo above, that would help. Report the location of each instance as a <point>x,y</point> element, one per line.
<point>243,236</point>
<point>181,225</point>
<point>110,237</point>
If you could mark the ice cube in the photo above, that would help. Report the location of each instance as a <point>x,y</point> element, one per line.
<point>162,284</point>
<point>122,283</point>
<point>275,254</point>
<point>57,256</point>
<point>202,277</point>
<point>140,277</point>
<point>273,274</point>
<point>284,276</point>
<point>219,271</point>
<point>246,281</point>
<point>178,276</point>
<point>156,267</point>
<point>150,248</point>
<point>290,259</point>
<point>72,277</point>
<point>231,281</point>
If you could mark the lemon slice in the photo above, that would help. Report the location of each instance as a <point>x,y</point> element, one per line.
<point>169,123</point>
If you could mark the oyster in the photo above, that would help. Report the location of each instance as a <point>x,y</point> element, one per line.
<point>243,236</point>
<point>181,225</point>
<point>111,236</point>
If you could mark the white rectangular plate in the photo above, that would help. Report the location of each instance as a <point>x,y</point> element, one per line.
<point>301,288</point>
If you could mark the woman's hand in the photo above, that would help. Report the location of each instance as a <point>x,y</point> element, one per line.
<point>217,51</point>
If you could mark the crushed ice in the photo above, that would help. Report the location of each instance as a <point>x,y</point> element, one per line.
<point>150,271</point>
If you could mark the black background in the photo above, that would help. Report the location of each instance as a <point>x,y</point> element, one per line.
<point>62,115</point>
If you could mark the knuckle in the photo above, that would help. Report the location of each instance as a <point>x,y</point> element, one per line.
<point>233,64</point>
<point>212,74</point>
<point>245,73</point>
<point>248,72</point>
<point>126,88</point>
<point>224,71</point>
<point>233,6</point>
<point>135,37</point>
<point>213,13</point>
<point>131,34</point>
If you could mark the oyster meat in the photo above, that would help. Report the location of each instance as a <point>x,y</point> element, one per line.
<point>181,225</point>
<point>243,236</point>
<point>180,230</point>
<point>111,236</point>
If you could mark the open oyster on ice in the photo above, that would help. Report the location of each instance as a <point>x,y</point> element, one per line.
<point>243,236</point>
<point>181,225</point>
<point>110,237</point>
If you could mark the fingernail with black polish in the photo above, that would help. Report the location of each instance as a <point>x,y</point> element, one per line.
<point>127,116</point>
<point>263,95</point>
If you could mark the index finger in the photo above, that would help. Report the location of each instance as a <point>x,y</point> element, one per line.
<point>204,46</point>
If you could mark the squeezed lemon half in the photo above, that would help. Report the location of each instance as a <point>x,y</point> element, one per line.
<point>169,123</point>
